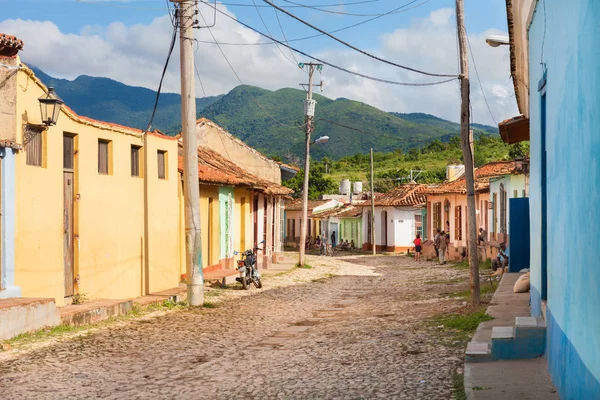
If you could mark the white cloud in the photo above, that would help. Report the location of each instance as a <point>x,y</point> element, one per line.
<point>135,55</point>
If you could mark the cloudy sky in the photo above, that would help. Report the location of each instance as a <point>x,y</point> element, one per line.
<point>127,40</point>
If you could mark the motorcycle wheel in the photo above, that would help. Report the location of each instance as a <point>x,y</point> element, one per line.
<point>245,283</point>
<point>257,283</point>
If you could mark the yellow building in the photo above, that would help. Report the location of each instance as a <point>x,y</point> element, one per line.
<point>96,203</point>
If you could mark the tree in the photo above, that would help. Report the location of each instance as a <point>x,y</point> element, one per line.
<point>318,184</point>
<point>518,150</point>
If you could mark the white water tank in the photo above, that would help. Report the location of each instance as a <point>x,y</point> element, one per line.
<point>357,186</point>
<point>345,186</point>
<point>453,172</point>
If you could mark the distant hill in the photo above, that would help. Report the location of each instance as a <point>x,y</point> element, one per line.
<point>270,121</point>
<point>112,101</point>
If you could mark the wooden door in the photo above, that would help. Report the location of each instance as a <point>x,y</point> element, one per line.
<point>68,233</point>
<point>384,230</point>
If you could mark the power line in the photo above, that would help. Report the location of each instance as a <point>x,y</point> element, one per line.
<point>101,3</point>
<point>171,46</point>
<point>479,80</point>
<point>354,47</point>
<point>269,32</point>
<point>393,11</point>
<point>284,37</point>
<point>317,8</point>
<point>297,6</point>
<point>330,64</point>
<point>238,77</point>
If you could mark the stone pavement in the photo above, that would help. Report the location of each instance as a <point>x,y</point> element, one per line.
<point>358,335</point>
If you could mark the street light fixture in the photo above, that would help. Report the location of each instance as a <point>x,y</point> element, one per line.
<point>497,40</point>
<point>321,140</point>
<point>50,107</point>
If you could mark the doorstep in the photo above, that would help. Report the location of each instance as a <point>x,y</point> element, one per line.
<point>175,295</point>
<point>21,314</point>
<point>94,311</point>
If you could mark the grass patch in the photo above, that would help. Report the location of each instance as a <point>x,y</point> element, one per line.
<point>305,266</point>
<point>208,304</point>
<point>54,331</point>
<point>458,381</point>
<point>463,322</point>
<point>464,265</point>
<point>446,282</point>
<point>484,290</point>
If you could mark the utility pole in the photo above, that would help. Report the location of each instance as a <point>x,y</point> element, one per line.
<point>466,142</point>
<point>191,193</point>
<point>373,209</point>
<point>309,112</point>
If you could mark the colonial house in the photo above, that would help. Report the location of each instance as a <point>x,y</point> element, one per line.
<point>398,219</point>
<point>447,205</point>
<point>89,207</point>
<point>554,68</point>
<point>293,218</point>
<point>344,220</point>
<point>258,191</point>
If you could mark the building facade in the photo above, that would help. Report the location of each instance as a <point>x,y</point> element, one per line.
<point>554,65</point>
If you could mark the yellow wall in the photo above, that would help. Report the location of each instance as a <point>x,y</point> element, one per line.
<point>109,213</point>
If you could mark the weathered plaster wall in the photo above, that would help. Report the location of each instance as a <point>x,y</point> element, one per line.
<point>568,35</point>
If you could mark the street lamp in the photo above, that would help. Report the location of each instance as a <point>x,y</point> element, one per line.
<point>50,107</point>
<point>321,140</point>
<point>497,40</point>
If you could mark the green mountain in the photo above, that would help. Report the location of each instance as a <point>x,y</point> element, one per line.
<point>270,121</point>
<point>108,100</point>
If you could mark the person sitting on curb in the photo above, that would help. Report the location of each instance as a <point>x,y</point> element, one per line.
<point>500,263</point>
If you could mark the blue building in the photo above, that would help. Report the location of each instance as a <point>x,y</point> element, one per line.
<point>555,66</point>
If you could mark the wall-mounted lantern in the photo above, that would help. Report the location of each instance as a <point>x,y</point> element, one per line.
<point>50,107</point>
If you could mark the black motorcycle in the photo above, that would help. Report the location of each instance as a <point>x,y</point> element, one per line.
<point>248,270</point>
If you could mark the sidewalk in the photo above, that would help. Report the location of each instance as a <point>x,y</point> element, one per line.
<point>515,379</point>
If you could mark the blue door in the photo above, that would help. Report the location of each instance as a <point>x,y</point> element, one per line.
<point>519,234</point>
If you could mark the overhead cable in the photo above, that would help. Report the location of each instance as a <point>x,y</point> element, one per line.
<point>354,47</point>
<point>453,77</point>
<point>396,10</point>
<point>171,46</point>
<point>479,80</point>
<point>269,32</point>
<point>238,77</point>
<point>317,8</point>
<point>297,6</point>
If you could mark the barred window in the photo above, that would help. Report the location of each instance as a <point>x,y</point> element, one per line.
<point>162,164</point>
<point>103,157</point>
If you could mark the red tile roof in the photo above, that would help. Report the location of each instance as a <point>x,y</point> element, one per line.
<point>483,175</point>
<point>296,204</point>
<point>404,195</point>
<point>9,45</point>
<point>215,169</point>
<point>346,211</point>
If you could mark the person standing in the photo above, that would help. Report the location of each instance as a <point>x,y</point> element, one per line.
<point>436,242</point>
<point>417,243</point>
<point>443,240</point>
<point>333,243</point>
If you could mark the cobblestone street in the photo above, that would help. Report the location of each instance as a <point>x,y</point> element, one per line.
<point>349,328</point>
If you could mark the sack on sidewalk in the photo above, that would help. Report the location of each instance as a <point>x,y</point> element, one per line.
<point>522,284</point>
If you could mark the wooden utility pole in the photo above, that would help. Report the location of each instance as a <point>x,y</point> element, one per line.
<point>466,142</point>
<point>191,194</point>
<point>373,209</point>
<point>309,112</point>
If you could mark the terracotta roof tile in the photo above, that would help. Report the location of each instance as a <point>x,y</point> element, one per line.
<point>346,211</point>
<point>404,195</point>
<point>483,175</point>
<point>296,205</point>
<point>215,169</point>
<point>9,45</point>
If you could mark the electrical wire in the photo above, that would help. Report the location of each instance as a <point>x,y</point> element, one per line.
<point>297,6</point>
<point>354,47</point>
<point>284,37</point>
<point>393,11</point>
<point>101,3</point>
<point>239,79</point>
<point>171,46</point>
<point>361,131</point>
<point>269,32</point>
<point>317,8</point>
<point>330,64</point>
<point>479,80</point>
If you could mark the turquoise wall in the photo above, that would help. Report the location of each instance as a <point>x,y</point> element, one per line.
<point>226,224</point>
<point>568,33</point>
<point>354,228</point>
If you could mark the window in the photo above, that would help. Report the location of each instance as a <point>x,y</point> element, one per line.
<point>135,160</point>
<point>369,226</point>
<point>103,157</point>
<point>437,216</point>
<point>68,152</point>
<point>294,229</point>
<point>418,225</point>
<point>458,222</point>
<point>34,147</point>
<point>495,214</point>
<point>162,164</point>
<point>516,194</point>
